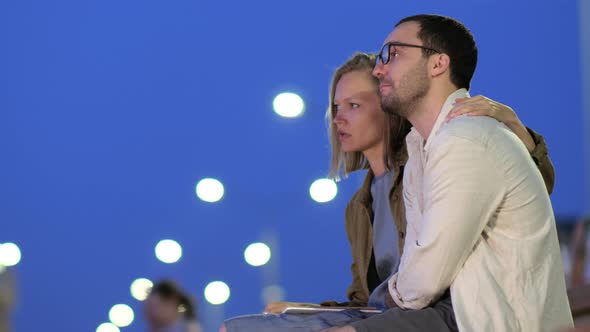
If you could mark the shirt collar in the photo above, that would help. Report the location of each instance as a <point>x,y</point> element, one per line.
<point>414,136</point>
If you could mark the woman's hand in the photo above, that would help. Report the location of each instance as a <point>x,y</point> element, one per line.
<point>278,307</point>
<point>389,302</point>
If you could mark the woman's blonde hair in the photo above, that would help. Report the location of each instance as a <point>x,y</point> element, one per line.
<point>395,130</point>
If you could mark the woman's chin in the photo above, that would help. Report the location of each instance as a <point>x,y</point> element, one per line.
<point>349,150</point>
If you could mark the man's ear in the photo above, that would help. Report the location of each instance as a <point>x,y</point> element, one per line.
<point>439,64</point>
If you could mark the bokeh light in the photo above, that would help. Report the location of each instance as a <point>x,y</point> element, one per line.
<point>288,104</point>
<point>10,254</point>
<point>107,327</point>
<point>217,292</point>
<point>168,251</point>
<point>140,288</point>
<point>210,190</point>
<point>257,254</point>
<point>323,190</point>
<point>121,315</point>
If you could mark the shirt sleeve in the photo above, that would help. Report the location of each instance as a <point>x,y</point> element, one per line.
<point>461,187</point>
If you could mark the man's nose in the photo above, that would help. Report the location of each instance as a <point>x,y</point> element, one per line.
<point>378,70</point>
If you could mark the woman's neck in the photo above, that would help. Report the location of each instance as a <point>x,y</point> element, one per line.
<point>375,158</point>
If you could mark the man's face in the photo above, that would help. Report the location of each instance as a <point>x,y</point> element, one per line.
<point>404,80</point>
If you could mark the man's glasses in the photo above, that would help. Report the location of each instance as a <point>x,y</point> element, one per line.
<point>385,54</point>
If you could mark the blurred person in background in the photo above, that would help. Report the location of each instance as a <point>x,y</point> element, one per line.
<point>7,297</point>
<point>168,308</point>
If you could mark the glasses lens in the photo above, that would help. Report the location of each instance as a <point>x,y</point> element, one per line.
<point>385,53</point>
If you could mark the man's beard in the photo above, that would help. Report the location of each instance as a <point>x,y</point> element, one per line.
<point>413,87</point>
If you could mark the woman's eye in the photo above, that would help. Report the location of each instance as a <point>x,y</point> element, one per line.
<point>353,105</point>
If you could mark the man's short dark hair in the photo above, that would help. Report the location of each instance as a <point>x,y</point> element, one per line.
<point>451,37</point>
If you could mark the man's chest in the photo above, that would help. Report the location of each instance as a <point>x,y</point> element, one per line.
<point>414,191</point>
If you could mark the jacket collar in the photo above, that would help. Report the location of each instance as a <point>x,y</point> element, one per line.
<point>363,195</point>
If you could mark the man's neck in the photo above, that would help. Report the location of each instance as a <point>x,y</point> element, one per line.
<point>424,116</point>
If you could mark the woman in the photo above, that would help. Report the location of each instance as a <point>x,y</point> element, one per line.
<point>364,137</point>
<point>169,309</point>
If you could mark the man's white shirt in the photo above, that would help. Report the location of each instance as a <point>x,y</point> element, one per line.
<point>480,222</point>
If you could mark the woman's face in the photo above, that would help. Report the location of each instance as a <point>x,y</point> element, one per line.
<point>357,113</point>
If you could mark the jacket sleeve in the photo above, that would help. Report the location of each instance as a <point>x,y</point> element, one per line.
<point>355,294</point>
<point>540,155</point>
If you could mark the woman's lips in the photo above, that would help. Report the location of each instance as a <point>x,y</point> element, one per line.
<point>343,136</point>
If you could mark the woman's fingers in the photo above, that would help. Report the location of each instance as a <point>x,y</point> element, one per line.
<point>275,307</point>
<point>279,307</point>
<point>476,106</point>
<point>468,108</point>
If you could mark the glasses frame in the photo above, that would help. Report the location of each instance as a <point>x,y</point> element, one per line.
<point>379,56</point>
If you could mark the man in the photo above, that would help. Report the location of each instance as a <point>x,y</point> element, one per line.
<point>479,218</point>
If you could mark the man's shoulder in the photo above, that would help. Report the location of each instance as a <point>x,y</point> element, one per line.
<point>475,129</point>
